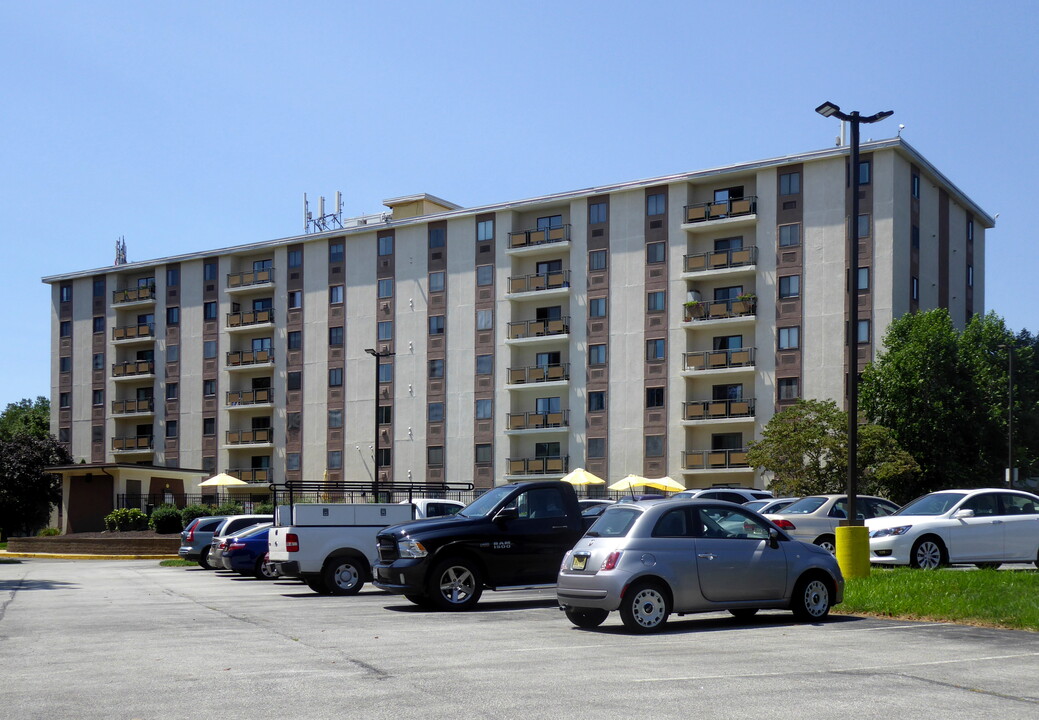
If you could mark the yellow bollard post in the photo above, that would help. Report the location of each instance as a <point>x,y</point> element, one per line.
<point>853,551</point>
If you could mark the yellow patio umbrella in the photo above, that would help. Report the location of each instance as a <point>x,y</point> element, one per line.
<point>634,481</point>
<point>580,476</point>
<point>222,480</point>
<point>665,483</point>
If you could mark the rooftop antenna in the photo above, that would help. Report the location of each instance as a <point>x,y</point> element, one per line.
<point>324,221</point>
<point>120,251</point>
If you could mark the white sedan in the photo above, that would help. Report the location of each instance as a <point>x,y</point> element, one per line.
<point>985,527</point>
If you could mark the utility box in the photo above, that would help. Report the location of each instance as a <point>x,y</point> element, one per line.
<point>350,514</point>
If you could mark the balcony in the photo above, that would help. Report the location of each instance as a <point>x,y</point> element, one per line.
<point>554,465</point>
<point>143,294</point>
<point>732,208</point>
<point>715,459</point>
<point>538,328</point>
<point>260,436</point>
<point>719,359</point>
<point>249,358</point>
<point>244,398</point>
<point>540,282</point>
<point>251,475</point>
<point>538,421</point>
<point>694,410</point>
<point>133,443</point>
<point>721,260</point>
<point>723,309</point>
<point>539,374</point>
<point>252,279</point>
<point>133,407</point>
<point>250,318</point>
<point>534,238</point>
<point>133,369</point>
<point>140,331</point>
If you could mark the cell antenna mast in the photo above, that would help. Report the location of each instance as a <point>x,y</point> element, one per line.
<point>324,221</point>
<point>120,251</point>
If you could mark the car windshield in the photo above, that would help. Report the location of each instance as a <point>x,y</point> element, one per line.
<point>933,504</point>
<point>485,503</point>
<point>804,506</point>
<point>615,521</point>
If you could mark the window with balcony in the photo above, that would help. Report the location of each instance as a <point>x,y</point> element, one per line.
<point>550,221</point>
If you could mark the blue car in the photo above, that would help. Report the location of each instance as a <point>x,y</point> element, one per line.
<point>247,554</point>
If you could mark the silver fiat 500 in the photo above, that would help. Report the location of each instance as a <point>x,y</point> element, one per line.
<point>650,559</point>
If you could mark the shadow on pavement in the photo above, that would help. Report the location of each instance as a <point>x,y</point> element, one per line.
<point>29,584</point>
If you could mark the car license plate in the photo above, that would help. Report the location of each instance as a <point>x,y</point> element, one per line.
<point>579,562</point>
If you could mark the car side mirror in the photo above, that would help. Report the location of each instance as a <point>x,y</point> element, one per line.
<point>506,513</point>
<point>964,513</point>
<point>773,538</point>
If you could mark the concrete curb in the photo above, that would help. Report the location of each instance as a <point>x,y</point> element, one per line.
<point>70,556</point>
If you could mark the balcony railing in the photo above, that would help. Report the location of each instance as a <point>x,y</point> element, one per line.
<point>130,332</point>
<point>127,407</point>
<point>721,309</point>
<point>539,373</point>
<point>251,475</point>
<point>249,357</point>
<point>554,465</point>
<point>250,317</point>
<point>720,259</point>
<point>717,409</point>
<point>719,359</point>
<point>535,420</point>
<point>134,367</point>
<point>250,437</point>
<point>251,277</point>
<point>137,294</point>
<point>249,397</point>
<point>526,238</point>
<point>539,328</point>
<point>710,459</point>
<point>541,281</point>
<point>701,212</point>
<point>133,442</point>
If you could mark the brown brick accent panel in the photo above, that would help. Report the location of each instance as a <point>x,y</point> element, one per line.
<point>66,545</point>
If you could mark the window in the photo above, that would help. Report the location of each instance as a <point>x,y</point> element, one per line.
<point>65,364</point>
<point>99,397</point>
<point>435,456</point>
<point>436,281</point>
<point>915,185</point>
<point>863,278</point>
<point>436,238</point>
<point>172,277</point>
<point>295,258</point>
<point>596,400</point>
<point>292,461</point>
<point>789,338</point>
<point>596,447</point>
<point>65,293</point>
<point>386,288</point>
<point>335,295</point>
<point>485,230</point>
<point>99,324</point>
<point>64,399</point>
<point>597,354</point>
<point>295,299</point>
<point>790,286</point>
<point>99,287</point>
<point>435,412</point>
<point>970,230</point>
<point>386,245</point>
<point>173,316</point>
<point>597,307</point>
<point>485,275</point>
<point>790,183</point>
<point>171,428</point>
<point>335,418</point>
<point>294,380</point>
<point>596,213</point>
<point>655,253</point>
<point>483,409</point>
<point>654,446</point>
<point>914,290</point>
<point>209,426</point>
<point>385,330</point>
<point>863,228</point>
<point>862,336</point>
<point>295,339</point>
<point>209,271</point>
<point>484,364</point>
<point>172,353</point>
<point>335,252</point>
<point>335,336</point>
<point>970,276</point>
<point>172,390</point>
<point>914,235</point>
<point>436,324</point>
<point>654,397</point>
<point>655,349</point>
<point>208,388</point>
<point>436,368</point>
<point>335,459</point>
<point>384,414</point>
<point>482,453</point>
<point>209,349</point>
<point>384,458</point>
<point>790,235</point>
<point>99,361</point>
<point>484,319</point>
<point>789,388</point>
<point>655,301</point>
<point>865,172</point>
<point>65,328</point>
<point>597,260</point>
<point>655,204</point>
<point>386,372</point>
<point>550,221</point>
<point>335,377</point>
<point>209,310</point>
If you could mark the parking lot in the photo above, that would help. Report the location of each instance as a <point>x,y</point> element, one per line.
<point>130,639</point>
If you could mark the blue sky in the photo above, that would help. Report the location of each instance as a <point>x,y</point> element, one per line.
<point>193,125</point>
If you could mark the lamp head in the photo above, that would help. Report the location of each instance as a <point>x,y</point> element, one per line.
<point>827,109</point>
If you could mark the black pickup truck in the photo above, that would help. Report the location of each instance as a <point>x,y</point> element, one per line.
<point>512,537</point>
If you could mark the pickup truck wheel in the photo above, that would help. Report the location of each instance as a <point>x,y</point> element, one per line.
<point>455,585</point>
<point>343,576</point>
<point>203,559</point>
<point>586,617</point>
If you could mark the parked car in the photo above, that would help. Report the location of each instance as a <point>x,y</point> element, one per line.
<point>705,556</point>
<point>815,518</point>
<point>774,505</point>
<point>225,545</point>
<point>230,525</point>
<point>246,553</point>
<point>986,527</point>
<point>728,494</point>
<point>433,507</point>
<point>196,538</point>
<point>594,507</point>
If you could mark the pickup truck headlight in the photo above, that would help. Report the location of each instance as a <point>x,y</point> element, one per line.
<point>885,532</point>
<point>411,549</point>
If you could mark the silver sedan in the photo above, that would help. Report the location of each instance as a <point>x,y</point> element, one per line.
<point>650,559</point>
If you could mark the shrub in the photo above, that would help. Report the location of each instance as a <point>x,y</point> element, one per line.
<point>264,509</point>
<point>190,512</point>
<point>165,519</point>
<point>126,519</point>
<point>49,532</point>
<point>228,508</point>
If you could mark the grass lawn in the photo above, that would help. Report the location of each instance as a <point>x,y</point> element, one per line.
<point>177,563</point>
<point>995,598</point>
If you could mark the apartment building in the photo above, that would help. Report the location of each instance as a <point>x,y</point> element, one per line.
<point>648,327</point>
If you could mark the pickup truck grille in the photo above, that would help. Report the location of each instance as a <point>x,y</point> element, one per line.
<point>387,548</point>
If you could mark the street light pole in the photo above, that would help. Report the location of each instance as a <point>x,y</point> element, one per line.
<point>1010,415</point>
<point>857,555</point>
<point>375,457</point>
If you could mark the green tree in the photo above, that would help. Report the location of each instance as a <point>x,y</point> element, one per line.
<point>26,417</point>
<point>805,447</point>
<point>27,493</point>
